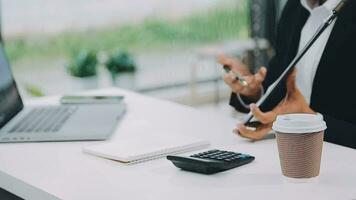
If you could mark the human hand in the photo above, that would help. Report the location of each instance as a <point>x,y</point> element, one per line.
<point>254,81</point>
<point>294,102</point>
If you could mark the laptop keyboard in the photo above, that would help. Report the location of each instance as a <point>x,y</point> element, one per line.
<point>44,119</point>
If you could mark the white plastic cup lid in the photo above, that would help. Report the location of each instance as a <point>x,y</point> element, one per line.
<point>299,123</point>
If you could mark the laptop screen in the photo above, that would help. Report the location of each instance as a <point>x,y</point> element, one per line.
<point>10,100</point>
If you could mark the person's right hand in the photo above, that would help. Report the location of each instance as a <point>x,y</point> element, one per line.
<point>253,89</point>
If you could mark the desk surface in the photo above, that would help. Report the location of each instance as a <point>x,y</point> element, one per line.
<point>61,171</point>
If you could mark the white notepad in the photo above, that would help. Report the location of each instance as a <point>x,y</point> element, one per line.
<point>140,149</point>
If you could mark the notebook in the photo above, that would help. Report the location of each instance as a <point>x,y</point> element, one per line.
<point>138,149</point>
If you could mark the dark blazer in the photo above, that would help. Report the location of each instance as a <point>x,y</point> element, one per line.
<point>335,80</point>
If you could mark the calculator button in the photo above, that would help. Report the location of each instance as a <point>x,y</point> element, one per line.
<point>226,156</point>
<point>243,156</point>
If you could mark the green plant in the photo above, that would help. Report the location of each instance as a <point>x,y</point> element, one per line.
<point>34,90</point>
<point>120,61</point>
<point>84,64</point>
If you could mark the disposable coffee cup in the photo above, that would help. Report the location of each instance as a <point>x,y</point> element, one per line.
<point>300,143</point>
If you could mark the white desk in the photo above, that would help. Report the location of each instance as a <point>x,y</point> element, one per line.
<point>61,171</point>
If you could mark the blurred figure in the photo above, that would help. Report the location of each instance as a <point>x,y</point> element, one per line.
<point>323,79</point>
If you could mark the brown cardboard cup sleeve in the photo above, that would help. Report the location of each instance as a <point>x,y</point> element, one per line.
<point>300,143</point>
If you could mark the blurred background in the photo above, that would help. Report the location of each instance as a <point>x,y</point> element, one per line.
<point>162,48</point>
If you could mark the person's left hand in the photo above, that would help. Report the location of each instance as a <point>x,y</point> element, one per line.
<point>294,102</point>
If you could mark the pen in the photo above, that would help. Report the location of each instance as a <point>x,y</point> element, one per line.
<point>238,76</point>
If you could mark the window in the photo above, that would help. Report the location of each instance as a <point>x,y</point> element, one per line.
<point>46,37</point>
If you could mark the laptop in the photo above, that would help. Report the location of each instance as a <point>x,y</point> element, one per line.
<point>67,122</point>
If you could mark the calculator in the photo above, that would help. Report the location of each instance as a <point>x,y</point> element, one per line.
<point>211,162</point>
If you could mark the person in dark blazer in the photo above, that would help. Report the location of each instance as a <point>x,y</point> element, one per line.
<point>324,80</point>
